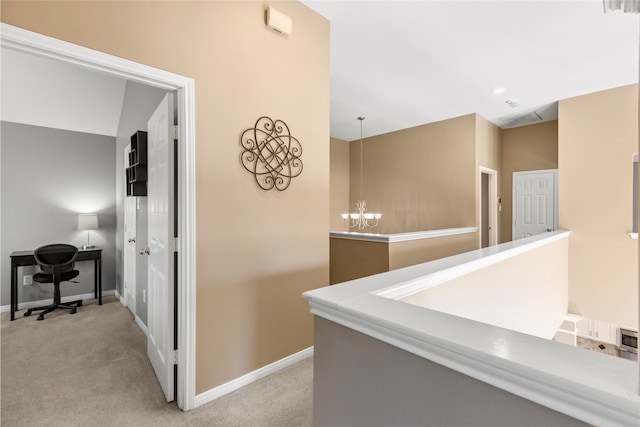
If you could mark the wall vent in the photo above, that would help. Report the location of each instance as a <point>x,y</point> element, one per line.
<point>527,119</point>
<point>513,103</point>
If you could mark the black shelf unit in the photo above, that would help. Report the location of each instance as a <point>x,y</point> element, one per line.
<point>136,172</point>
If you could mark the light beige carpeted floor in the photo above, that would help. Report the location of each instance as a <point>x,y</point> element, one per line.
<point>91,369</point>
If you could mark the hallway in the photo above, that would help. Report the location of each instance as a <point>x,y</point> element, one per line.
<point>91,369</point>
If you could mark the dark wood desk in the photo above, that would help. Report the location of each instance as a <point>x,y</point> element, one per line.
<point>25,258</point>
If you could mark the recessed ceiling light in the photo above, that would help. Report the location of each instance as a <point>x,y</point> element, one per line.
<point>498,90</point>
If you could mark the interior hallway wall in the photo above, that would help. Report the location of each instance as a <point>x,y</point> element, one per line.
<point>49,176</point>
<point>421,178</point>
<point>257,251</point>
<point>339,179</point>
<point>488,155</point>
<point>597,137</point>
<point>525,148</point>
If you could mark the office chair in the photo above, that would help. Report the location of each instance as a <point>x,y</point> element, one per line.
<point>56,265</point>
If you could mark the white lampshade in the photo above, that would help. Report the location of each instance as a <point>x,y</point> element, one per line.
<point>87,221</point>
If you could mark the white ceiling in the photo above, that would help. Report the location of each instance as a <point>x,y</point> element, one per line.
<point>406,63</point>
<point>48,93</point>
<point>398,63</point>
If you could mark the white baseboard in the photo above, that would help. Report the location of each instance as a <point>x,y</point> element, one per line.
<point>31,304</point>
<point>120,298</point>
<point>139,322</point>
<point>142,325</point>
<point>215,393</point>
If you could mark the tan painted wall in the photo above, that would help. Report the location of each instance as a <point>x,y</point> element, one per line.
<point>526,148</point>
<point>404,254</point>
<point>339,188</point>
<point>489,155</point>
<point>420,178</point>
<point>257,251</point>
<point>597,135</point>
<point>352,259</point>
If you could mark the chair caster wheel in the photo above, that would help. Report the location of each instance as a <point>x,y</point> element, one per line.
<point>73,311</point>
<point>28,313</point>
<point>80,304</point>
<point>41,317</point>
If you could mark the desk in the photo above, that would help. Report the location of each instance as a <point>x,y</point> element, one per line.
<point>25,258</point>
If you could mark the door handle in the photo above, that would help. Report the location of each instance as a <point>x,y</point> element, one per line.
<point>145,251</point>
<point>133,240</point>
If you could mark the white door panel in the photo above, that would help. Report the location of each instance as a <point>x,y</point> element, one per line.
<point>160,197</point>
<point>534,203</point>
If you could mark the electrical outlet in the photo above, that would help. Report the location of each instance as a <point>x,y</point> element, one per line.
<point>27,280</point>
<point>144,295</point>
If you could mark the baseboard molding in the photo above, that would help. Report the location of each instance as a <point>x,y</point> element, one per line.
<point>215,393</point>
<point>142,325</point>
<point>139,322</point>
<point>31,304</point>
<point>120,298</point>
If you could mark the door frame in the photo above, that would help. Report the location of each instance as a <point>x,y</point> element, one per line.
<point>514,198</point>
<point>25,41</point>
<point>124,298</point>
<point>493,204</point>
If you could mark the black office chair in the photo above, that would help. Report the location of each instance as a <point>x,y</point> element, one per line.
<point>56,265</point>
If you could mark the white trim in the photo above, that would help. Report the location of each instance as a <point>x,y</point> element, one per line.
<point>401,237</point>
<point>571,397</point>
<point>217,392</point>
<point>30,304</point>
<point>141,325</point>
<point>493,204</point>
<point>120,298</point>
<point>137,319</point>
<point>459,265</point>
<point>591,387</point>
<point>40,45</point>
<point>634,211</point>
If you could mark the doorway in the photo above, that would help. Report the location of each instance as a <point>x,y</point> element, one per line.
<point>36,44</point>
<point>488,207</point>
<point>535,202</point>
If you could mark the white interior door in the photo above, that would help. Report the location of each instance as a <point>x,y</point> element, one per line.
<point>130,254</point>
<point>534,203</point>
<point>160,199</point>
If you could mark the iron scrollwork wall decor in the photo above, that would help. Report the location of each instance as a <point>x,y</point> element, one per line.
<point>271,154</point>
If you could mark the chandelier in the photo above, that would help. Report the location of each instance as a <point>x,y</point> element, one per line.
<point>626,6</point>
<point>361,219</point>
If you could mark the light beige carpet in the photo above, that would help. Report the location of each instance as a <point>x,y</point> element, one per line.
<point>91,369</point>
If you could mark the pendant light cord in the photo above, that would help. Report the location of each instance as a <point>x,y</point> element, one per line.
<point>361,166</point>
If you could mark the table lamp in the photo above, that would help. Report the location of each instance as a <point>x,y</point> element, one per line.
<point>88,222</point>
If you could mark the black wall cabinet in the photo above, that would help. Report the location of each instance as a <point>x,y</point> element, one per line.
<point>137,169</point>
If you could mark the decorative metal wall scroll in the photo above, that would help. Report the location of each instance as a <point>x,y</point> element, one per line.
<point>271,154</point>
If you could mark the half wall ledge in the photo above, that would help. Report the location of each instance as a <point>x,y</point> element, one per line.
<point>402,237</point>
<point>587,386</point>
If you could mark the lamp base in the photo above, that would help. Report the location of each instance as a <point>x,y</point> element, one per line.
<point>88,247</point>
